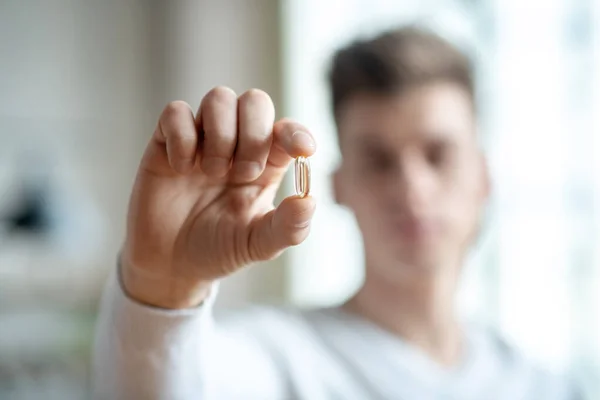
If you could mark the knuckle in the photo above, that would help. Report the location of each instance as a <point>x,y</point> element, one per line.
<point>221,95</point>
<point>181,141</point>
<point>219,140</point>
<point>175,109</point>
<point>256,96</point>
<point>257,114</point>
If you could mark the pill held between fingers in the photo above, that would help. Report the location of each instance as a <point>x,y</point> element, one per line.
<point>302,176</point>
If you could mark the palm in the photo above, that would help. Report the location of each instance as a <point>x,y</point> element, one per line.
<point>194,220</point>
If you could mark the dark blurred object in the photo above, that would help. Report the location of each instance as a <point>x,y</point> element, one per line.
<point>32,214</point>
<point>29,209</point>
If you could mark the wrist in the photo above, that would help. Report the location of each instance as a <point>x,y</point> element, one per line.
<point>157,290</point>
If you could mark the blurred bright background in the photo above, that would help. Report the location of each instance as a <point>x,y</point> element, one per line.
<point>81,87</point>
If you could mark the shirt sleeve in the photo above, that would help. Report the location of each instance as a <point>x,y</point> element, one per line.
<point>141,352</point>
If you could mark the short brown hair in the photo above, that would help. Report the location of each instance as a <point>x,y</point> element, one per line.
<point>394,61</point>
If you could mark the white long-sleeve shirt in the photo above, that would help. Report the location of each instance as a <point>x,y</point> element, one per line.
<point>268,353</point>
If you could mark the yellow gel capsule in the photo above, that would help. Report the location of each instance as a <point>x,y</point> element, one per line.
<point>302,174</point>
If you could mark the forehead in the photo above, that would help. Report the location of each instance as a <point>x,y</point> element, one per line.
<point>439,110</point>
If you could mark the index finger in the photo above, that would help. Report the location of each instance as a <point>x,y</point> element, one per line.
<point>290,140</point>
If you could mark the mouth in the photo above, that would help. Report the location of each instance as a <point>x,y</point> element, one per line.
<point>416,229</point>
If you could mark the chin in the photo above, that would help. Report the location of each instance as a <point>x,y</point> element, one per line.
<point>419,258</point>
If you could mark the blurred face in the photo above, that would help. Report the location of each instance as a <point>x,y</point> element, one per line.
<point>413,175</point>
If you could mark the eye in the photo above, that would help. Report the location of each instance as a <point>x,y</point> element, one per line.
<point>378,161</point>
<point>438,154</point>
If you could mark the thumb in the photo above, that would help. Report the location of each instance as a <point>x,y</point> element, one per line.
<point>287,225</point>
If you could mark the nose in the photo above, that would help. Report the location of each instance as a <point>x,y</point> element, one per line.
<point>414,186</point>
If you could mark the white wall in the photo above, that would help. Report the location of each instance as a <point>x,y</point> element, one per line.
<point>83,83</point>
<point>70,81</point>
<point>81,87</point>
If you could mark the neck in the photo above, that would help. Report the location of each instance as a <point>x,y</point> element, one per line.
<point>419,307</point>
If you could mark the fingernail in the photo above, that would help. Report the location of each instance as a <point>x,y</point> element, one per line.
<point>302,141</point>
<point>247,171</point>
<point>215,166</point>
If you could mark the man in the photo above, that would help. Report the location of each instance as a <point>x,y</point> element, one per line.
<point>202,208</point>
